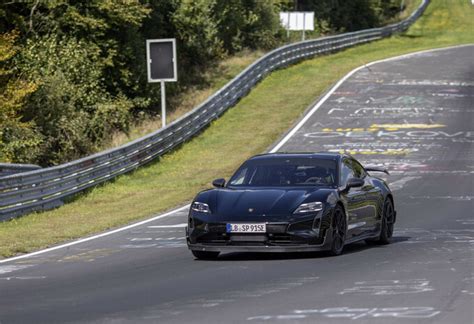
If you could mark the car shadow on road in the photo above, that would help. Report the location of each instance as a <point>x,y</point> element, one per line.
<point>261,256</point>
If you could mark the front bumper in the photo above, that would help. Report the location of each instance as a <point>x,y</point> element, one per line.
<point>269,242</point>
<point>303,233</point>
<point>263,247</point>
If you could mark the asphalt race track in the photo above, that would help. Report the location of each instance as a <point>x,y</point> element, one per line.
<point>413,114</point>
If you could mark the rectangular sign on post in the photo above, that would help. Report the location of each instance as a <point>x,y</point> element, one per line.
<point>161,66</point>
<point>297,20</point>
<point>161,60</point>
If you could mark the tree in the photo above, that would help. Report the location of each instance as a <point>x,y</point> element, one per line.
<point>19,139</point>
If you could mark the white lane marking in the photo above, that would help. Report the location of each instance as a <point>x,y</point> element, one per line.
<point>352,313</point>
<point>341,81</point>
<point>389,287</point>
<point>278,146</point>
<point>139,239</point>
<point>168,226</point>
<point>11,268</point>
<point>137,246</point>
<point>95,236</point>
<point>23,278</point>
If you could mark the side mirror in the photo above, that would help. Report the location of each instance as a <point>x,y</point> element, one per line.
<point>354,183</point>
<point>219,183</point>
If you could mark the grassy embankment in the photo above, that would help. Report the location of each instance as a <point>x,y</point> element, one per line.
<point>251,127</point>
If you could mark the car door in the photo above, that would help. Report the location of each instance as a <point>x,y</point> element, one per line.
<point>372,197</point>
<point>354,199</point>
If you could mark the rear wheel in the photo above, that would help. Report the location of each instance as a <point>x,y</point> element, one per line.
<point>205,255</point>
<point>339,230</point>
<point>388,219</point>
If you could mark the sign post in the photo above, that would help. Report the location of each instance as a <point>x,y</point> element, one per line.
<point>163,104</point>
<point>304,25</point>
<point>161,66</point>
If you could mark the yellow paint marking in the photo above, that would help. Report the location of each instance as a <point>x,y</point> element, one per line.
<point>388,127</point>
<point>405,126</point>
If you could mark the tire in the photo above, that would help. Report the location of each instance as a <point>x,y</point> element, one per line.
<point>388,219</point>
<point>339,231</point>
<point>205,255</point>
<point>386,230</point>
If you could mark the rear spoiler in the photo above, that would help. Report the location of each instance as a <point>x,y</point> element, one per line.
<point>377,169</point>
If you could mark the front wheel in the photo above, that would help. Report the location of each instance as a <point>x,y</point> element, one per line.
<point>205,255</point>
<point>339,230</point>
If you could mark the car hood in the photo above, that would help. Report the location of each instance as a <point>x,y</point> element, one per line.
<point>240,204</point>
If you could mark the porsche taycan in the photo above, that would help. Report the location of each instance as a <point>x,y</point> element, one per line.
<point>292,202</point>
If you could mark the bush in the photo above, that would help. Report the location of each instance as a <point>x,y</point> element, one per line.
<point>71,106</point>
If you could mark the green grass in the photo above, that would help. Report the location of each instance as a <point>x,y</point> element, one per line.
<point>212,80</point>
<point>251,127</point>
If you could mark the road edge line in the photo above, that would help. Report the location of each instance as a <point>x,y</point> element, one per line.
<point>90,238</point>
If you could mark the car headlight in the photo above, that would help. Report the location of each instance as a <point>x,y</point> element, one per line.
<point>309,207</point>
<point>200,207</point>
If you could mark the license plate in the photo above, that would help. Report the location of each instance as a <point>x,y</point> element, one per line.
<point>246,228</point>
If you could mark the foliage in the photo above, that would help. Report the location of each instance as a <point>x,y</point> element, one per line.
<point>197,31</point>
<point>247,24</point>
<point>71,106</point>
<point>340,15</point>
<point>19,139</point>
<point>73,72</point>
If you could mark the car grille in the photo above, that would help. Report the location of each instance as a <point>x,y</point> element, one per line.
<point>249,239</point>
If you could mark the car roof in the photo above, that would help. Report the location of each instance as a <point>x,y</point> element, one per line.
<point>318,155</point>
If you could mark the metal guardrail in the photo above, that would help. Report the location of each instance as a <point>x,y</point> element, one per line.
<point>12,168</point>
<point>45,188</point>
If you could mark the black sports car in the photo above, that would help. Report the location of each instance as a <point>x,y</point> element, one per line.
<point>292,202</point>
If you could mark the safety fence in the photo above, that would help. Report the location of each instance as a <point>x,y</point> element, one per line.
<point>46,188</point>
<point>12,168</point>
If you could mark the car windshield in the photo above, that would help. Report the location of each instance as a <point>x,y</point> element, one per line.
<point>285,172</point>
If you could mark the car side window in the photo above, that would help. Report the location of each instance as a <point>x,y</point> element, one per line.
<point>359,171</point>
<point>346,172</point>
<point>240,177</point>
